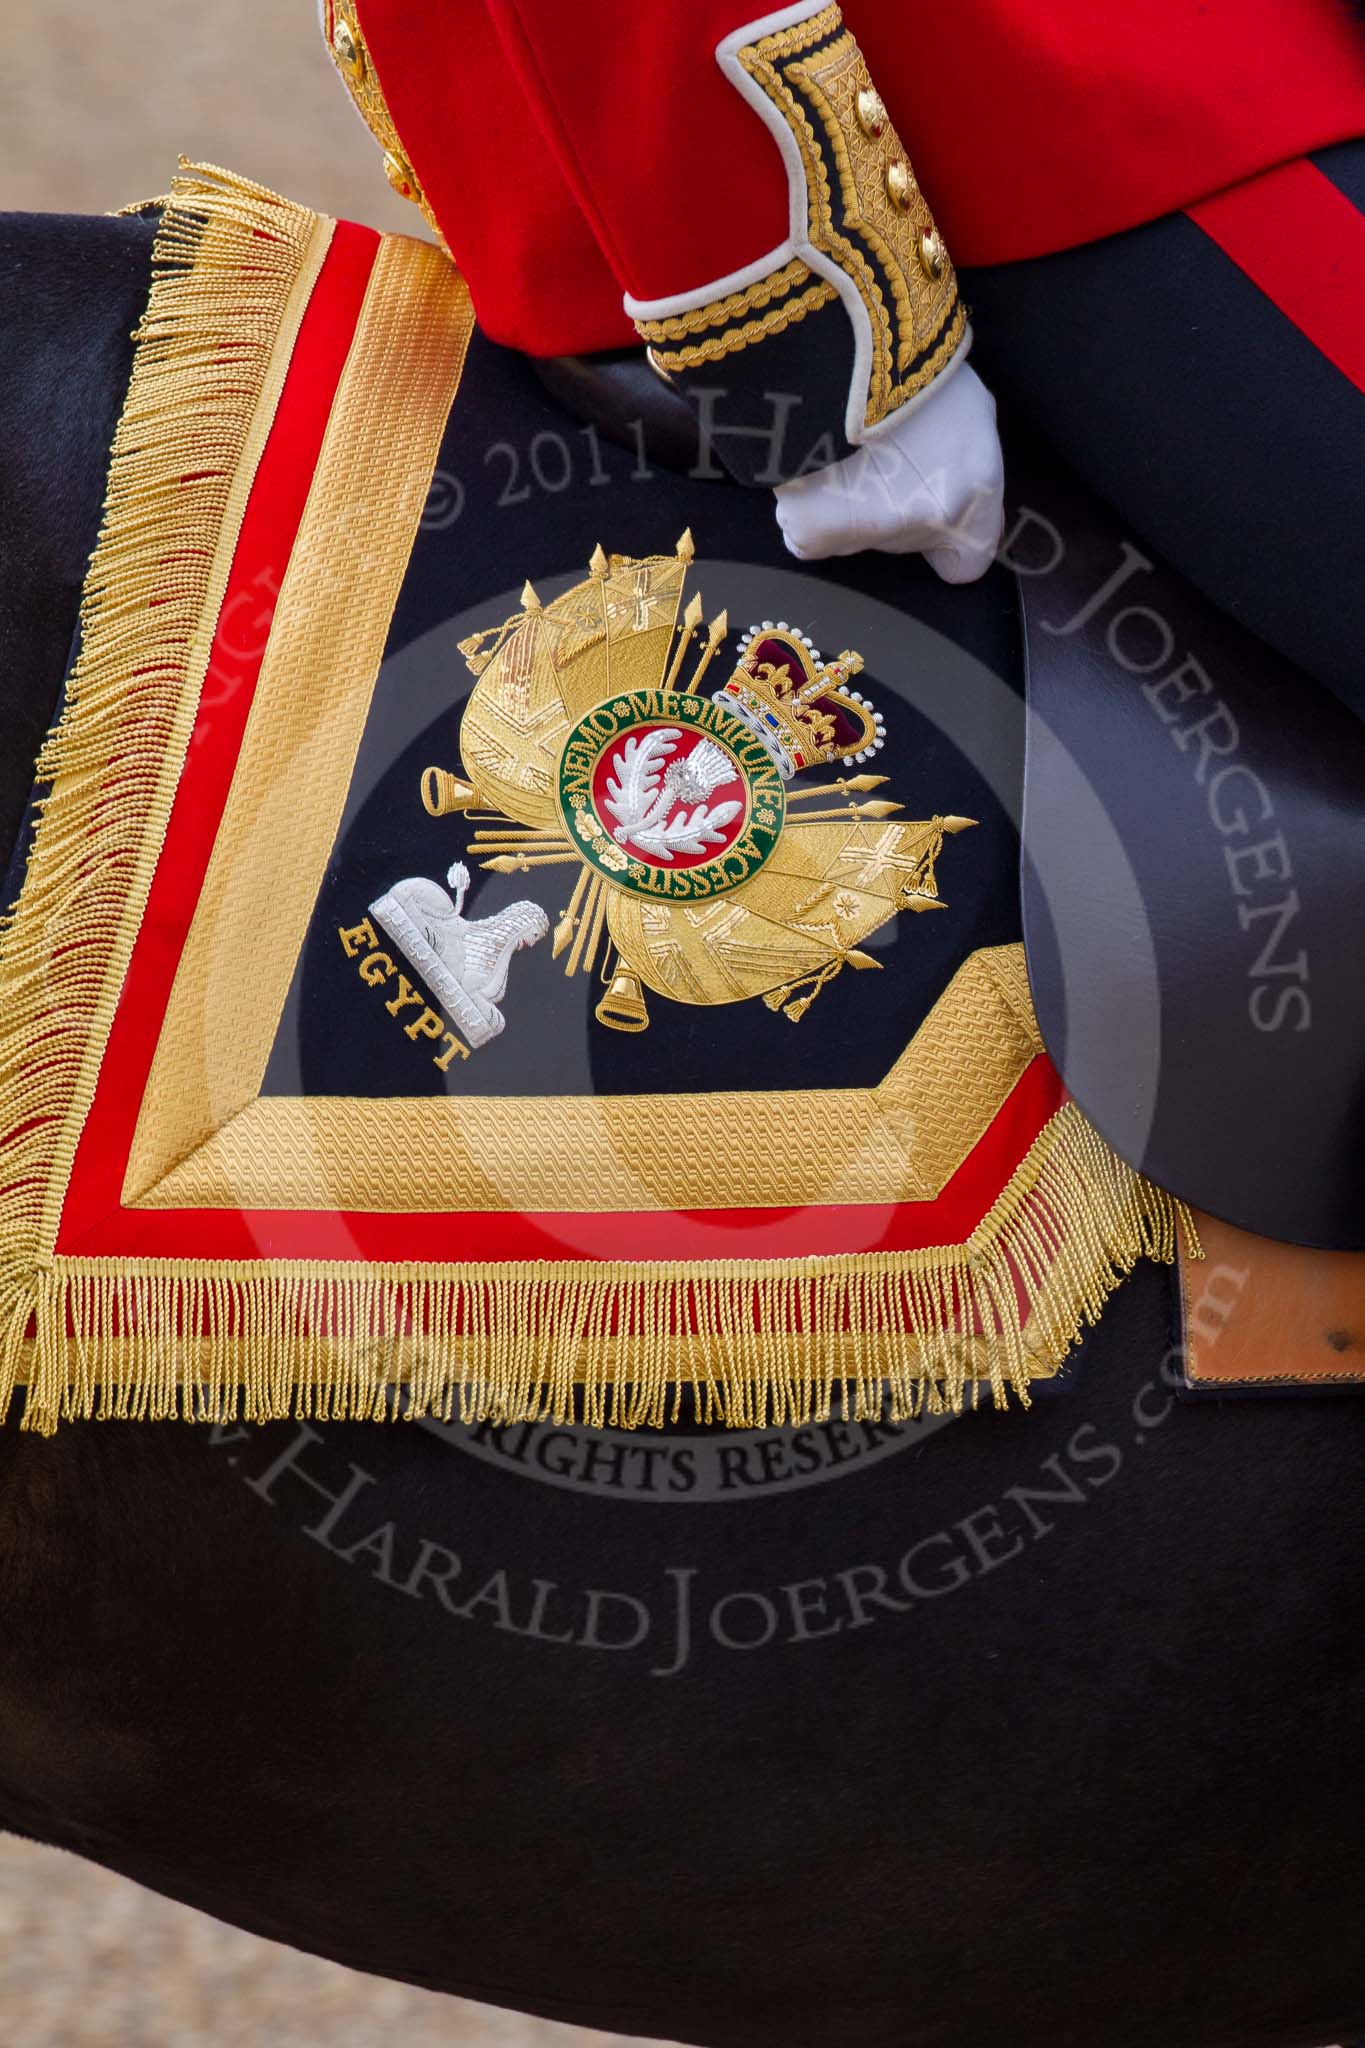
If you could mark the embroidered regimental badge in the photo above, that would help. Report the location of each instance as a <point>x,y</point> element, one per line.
<point>670,795</point>
<point>707,873</point>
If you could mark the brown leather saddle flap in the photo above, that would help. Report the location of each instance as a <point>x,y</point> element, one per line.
<point>1262,1315</point>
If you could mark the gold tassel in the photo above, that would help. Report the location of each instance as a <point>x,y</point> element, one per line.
<point>232,266</point>
<point>780,1342</point>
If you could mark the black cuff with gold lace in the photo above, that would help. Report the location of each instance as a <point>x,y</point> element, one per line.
<point>858,314</point>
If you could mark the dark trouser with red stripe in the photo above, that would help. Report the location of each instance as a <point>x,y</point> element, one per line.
<point>1206,375</point>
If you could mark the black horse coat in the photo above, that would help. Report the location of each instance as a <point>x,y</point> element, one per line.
<point>1043,1725</point>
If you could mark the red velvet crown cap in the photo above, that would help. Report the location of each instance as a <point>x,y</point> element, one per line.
<point>573,150</point>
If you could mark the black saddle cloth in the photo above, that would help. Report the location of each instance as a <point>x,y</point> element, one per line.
<point>1042,1725</point>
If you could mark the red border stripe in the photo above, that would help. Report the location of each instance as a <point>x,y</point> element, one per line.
<point>1302,242</point>
<point>271,520</point>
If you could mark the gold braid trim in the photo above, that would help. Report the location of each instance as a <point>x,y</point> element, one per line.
<point>815,67</point>
<point>783,1341</point>
<point>718,312</point>
<point>232,269</point>
<point>782,316</point>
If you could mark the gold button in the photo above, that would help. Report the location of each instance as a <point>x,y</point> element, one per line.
<point>900,183</point>
<point>398,171</point>
<point>932,254</point>
<point>348,49</point>
<point>871,113</point>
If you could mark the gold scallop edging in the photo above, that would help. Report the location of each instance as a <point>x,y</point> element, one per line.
<point>729,340</point>
<point>750,298</point>
<point>767,306</point>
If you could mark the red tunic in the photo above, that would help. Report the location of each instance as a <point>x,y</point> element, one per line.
<point>574,150</point>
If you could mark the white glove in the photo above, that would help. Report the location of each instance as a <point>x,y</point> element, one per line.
<point>931,484</point>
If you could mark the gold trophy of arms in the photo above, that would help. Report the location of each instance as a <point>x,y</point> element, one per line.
<point>704,871</point>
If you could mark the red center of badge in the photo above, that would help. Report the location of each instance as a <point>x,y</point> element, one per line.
<point>670,795</point>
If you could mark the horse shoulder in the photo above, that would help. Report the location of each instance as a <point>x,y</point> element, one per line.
<point>71,292</point>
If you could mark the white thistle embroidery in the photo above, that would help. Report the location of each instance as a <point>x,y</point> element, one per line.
<point>639,799</point>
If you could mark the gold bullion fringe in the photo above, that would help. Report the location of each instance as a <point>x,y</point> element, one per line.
<point>226,256</point>
<point>761,1342</point>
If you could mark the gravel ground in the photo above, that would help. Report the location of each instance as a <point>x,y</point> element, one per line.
<point>89,1960</point>
<point>97,102</point>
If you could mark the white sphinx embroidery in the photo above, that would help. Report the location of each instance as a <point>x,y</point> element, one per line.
<point>463,960</point>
